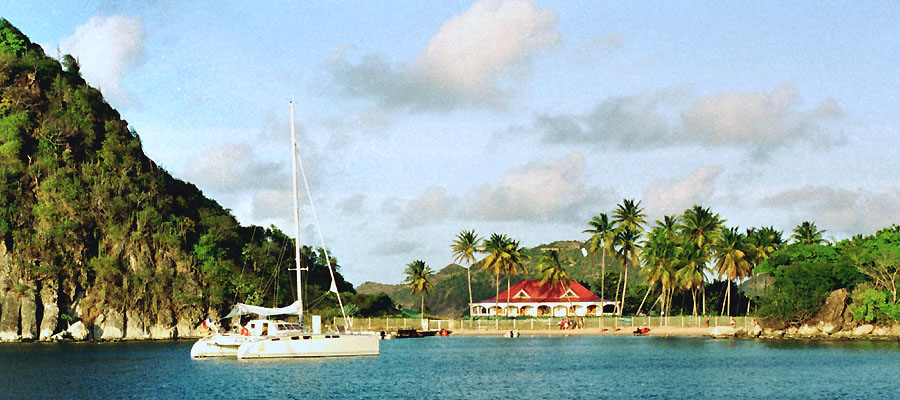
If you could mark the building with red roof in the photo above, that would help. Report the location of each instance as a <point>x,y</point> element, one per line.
<point>533,298</point>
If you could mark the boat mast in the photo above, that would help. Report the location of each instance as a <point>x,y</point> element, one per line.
<point>296,214</point>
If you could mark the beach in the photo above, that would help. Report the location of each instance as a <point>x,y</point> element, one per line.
<point>654,331</point>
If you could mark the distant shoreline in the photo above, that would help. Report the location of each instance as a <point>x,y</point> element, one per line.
<point>624,331</point>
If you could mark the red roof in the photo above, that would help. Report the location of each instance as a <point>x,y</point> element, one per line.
<point>534,291</point>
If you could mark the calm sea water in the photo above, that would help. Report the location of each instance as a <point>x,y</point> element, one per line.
<point>468,368</point>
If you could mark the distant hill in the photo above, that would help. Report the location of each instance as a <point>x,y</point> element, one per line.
<point>451,294</point>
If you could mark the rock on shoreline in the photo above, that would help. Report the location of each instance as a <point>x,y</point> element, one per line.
<point>833,321</point>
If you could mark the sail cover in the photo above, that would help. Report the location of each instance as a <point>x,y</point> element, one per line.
<point>242,309</point>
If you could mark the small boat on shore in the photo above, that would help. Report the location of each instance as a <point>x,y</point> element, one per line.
<point>413,333</point>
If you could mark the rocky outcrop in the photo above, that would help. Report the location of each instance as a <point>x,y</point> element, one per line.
<point>164,328</point>
<point>9,300</point>
<point>113,326</point>
<point>50,303</point>
<point>9,320</point>
<point>833,311</point>
<point>28,315</point>
<point>79,331</point>
<point>136,326</point>
<point>833,321</point>
<point>863,330</point>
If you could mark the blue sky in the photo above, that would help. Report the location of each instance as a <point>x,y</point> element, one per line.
<point>423,119</point>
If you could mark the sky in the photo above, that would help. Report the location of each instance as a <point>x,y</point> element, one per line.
<point>418,120</point>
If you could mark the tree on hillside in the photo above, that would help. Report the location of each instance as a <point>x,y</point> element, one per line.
<point>808,233</point>
<point>699,227</point>
<point>602,238</point>
<point>553,272</point>
<point>464,248</point>
<point>731,260</point>
<point>418,277</point>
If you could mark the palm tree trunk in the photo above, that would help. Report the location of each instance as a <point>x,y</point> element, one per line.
<point>602,279</point>
<point>724,302</point>
<point>645,297</point>
<point>423,306</point>
<point>694,298</point>
<point>624,287</point>
<point>506,312</point>
<point>618,285</point>
<point>469,279</point>
<point>703,292</point>
<point>496,299</point>
<point>728,296</point>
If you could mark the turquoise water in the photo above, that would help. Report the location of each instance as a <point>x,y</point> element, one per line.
<point>466,367</point>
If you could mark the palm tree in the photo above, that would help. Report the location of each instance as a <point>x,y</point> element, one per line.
<point>417,280</point>
<point>495,259</point>
<point>554,272</point>
<point>628,216</point>
<point>731,260</point>
<point>659,257</point>
<point>602,238</point>
<point>514,263</point>
<point>699,227</point>
<point>691,271</point>
<point>761,243</point>
<point>464,248</point>
<point>628,251</point>
<point>808,233</point>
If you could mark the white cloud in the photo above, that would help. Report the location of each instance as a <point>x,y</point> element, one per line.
<point>107,48</point>
<point>272,204</point>
<point>395,247</point>
<point>234,168</point>
<point>471,50</point>
<point>668,197</point>
<point>756,119</point>
<point>432,206</point>
<point>752,121</point>
<point>637,121</point>
<point>464,63</point>
<point>353,205</point>
<point>541,190</point>
<point>840,210</point>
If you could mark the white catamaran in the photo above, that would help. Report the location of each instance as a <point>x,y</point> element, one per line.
<point>265,338</point>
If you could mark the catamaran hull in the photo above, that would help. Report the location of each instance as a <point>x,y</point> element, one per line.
<point>217,346</point>
<point>311,346</point>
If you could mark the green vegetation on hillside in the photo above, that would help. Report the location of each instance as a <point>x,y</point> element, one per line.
<point>86,215</point>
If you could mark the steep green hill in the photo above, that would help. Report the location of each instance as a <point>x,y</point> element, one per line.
<point>92,230</point>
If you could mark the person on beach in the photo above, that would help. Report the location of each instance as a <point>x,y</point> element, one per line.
<point>707,321</point>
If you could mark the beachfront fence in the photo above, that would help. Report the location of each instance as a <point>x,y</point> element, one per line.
<point>535,324</point>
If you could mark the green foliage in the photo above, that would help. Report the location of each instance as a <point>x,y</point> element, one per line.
<point>871,305</point>
<point>804,275</point>
<point>81,204</point>
<point>12,41</point>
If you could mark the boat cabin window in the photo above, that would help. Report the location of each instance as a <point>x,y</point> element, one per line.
<point>265,328</point>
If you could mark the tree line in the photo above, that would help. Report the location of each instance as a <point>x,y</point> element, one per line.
<point>685,257</point>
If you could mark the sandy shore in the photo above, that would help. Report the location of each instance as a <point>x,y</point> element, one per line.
<point>654,331</point>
